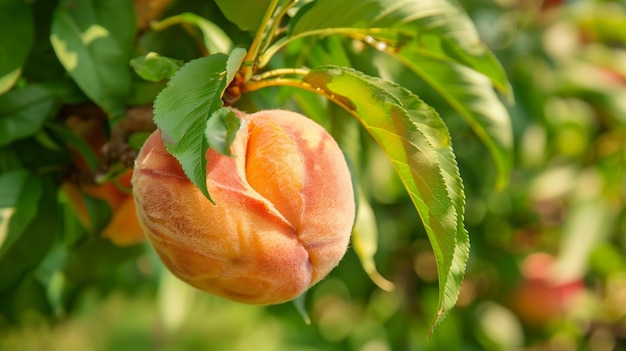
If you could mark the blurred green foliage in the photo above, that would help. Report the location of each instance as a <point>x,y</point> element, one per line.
<point>547,267</point>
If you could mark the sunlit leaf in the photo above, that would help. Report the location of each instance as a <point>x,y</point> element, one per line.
<point>182,109</point>
<point>471,95</point>
<point>418,145</point>
<point>436,132</point>
<point>437,28</point>
<point>93,40</point>
<point>437,41</point>
<point>17,29</point>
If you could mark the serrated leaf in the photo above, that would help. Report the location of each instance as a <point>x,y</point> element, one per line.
<point>154,67</point>
<point>182,109</point>
<point>471,95</point>
<point>93,40</point>
<point>221,129</point>
<point>438,28</point>
<point>418,144</point>
<point>235,59</point>
<point>437,134</point>
<point>247,16</point>
<point>23,111</point>
<point>17,27</point>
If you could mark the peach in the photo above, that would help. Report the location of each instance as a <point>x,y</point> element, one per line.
<point>282,218</point>
<point>541,297</point>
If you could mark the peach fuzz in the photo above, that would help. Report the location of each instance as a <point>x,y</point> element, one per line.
<point>282,218</point>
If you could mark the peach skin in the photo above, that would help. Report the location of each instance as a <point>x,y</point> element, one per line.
<point>282,218</point>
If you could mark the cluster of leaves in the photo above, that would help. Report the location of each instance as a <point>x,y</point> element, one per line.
<point>352,53</point>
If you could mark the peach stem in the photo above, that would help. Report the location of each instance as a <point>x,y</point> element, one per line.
<point>261,36</point>
<point>297,83</point>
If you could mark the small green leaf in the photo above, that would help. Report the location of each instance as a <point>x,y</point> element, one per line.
<point>417,143</point>
<point>154,67</point>
<point>221,129</point>
<point>235,59</point>
<point>18,32</point>
<point>182,109</point>
<point>247,16</point>
<point>93,40</point>
<point>23,111</point>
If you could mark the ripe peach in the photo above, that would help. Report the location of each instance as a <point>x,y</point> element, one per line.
<point>283,212</point>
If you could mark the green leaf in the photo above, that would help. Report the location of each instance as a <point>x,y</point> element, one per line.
<point>93,40</point>
<point>23,111</point>
<point>21,209</point>
<point>11,184</point>
<point>438,42</point>
<point>221,129</point>
<point>471,95</point>
<point>437,28</point>
<point>154,67</point>
<point>37,238</point>
<point>435,130</point>
<point>365,242</point>
<point>18,32</point>
<point>182,109</point>
<point>215,39</point>
<point>247,16</point>
<point>234,63</point>
<point>418,144</point>
<point>50,275</point>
